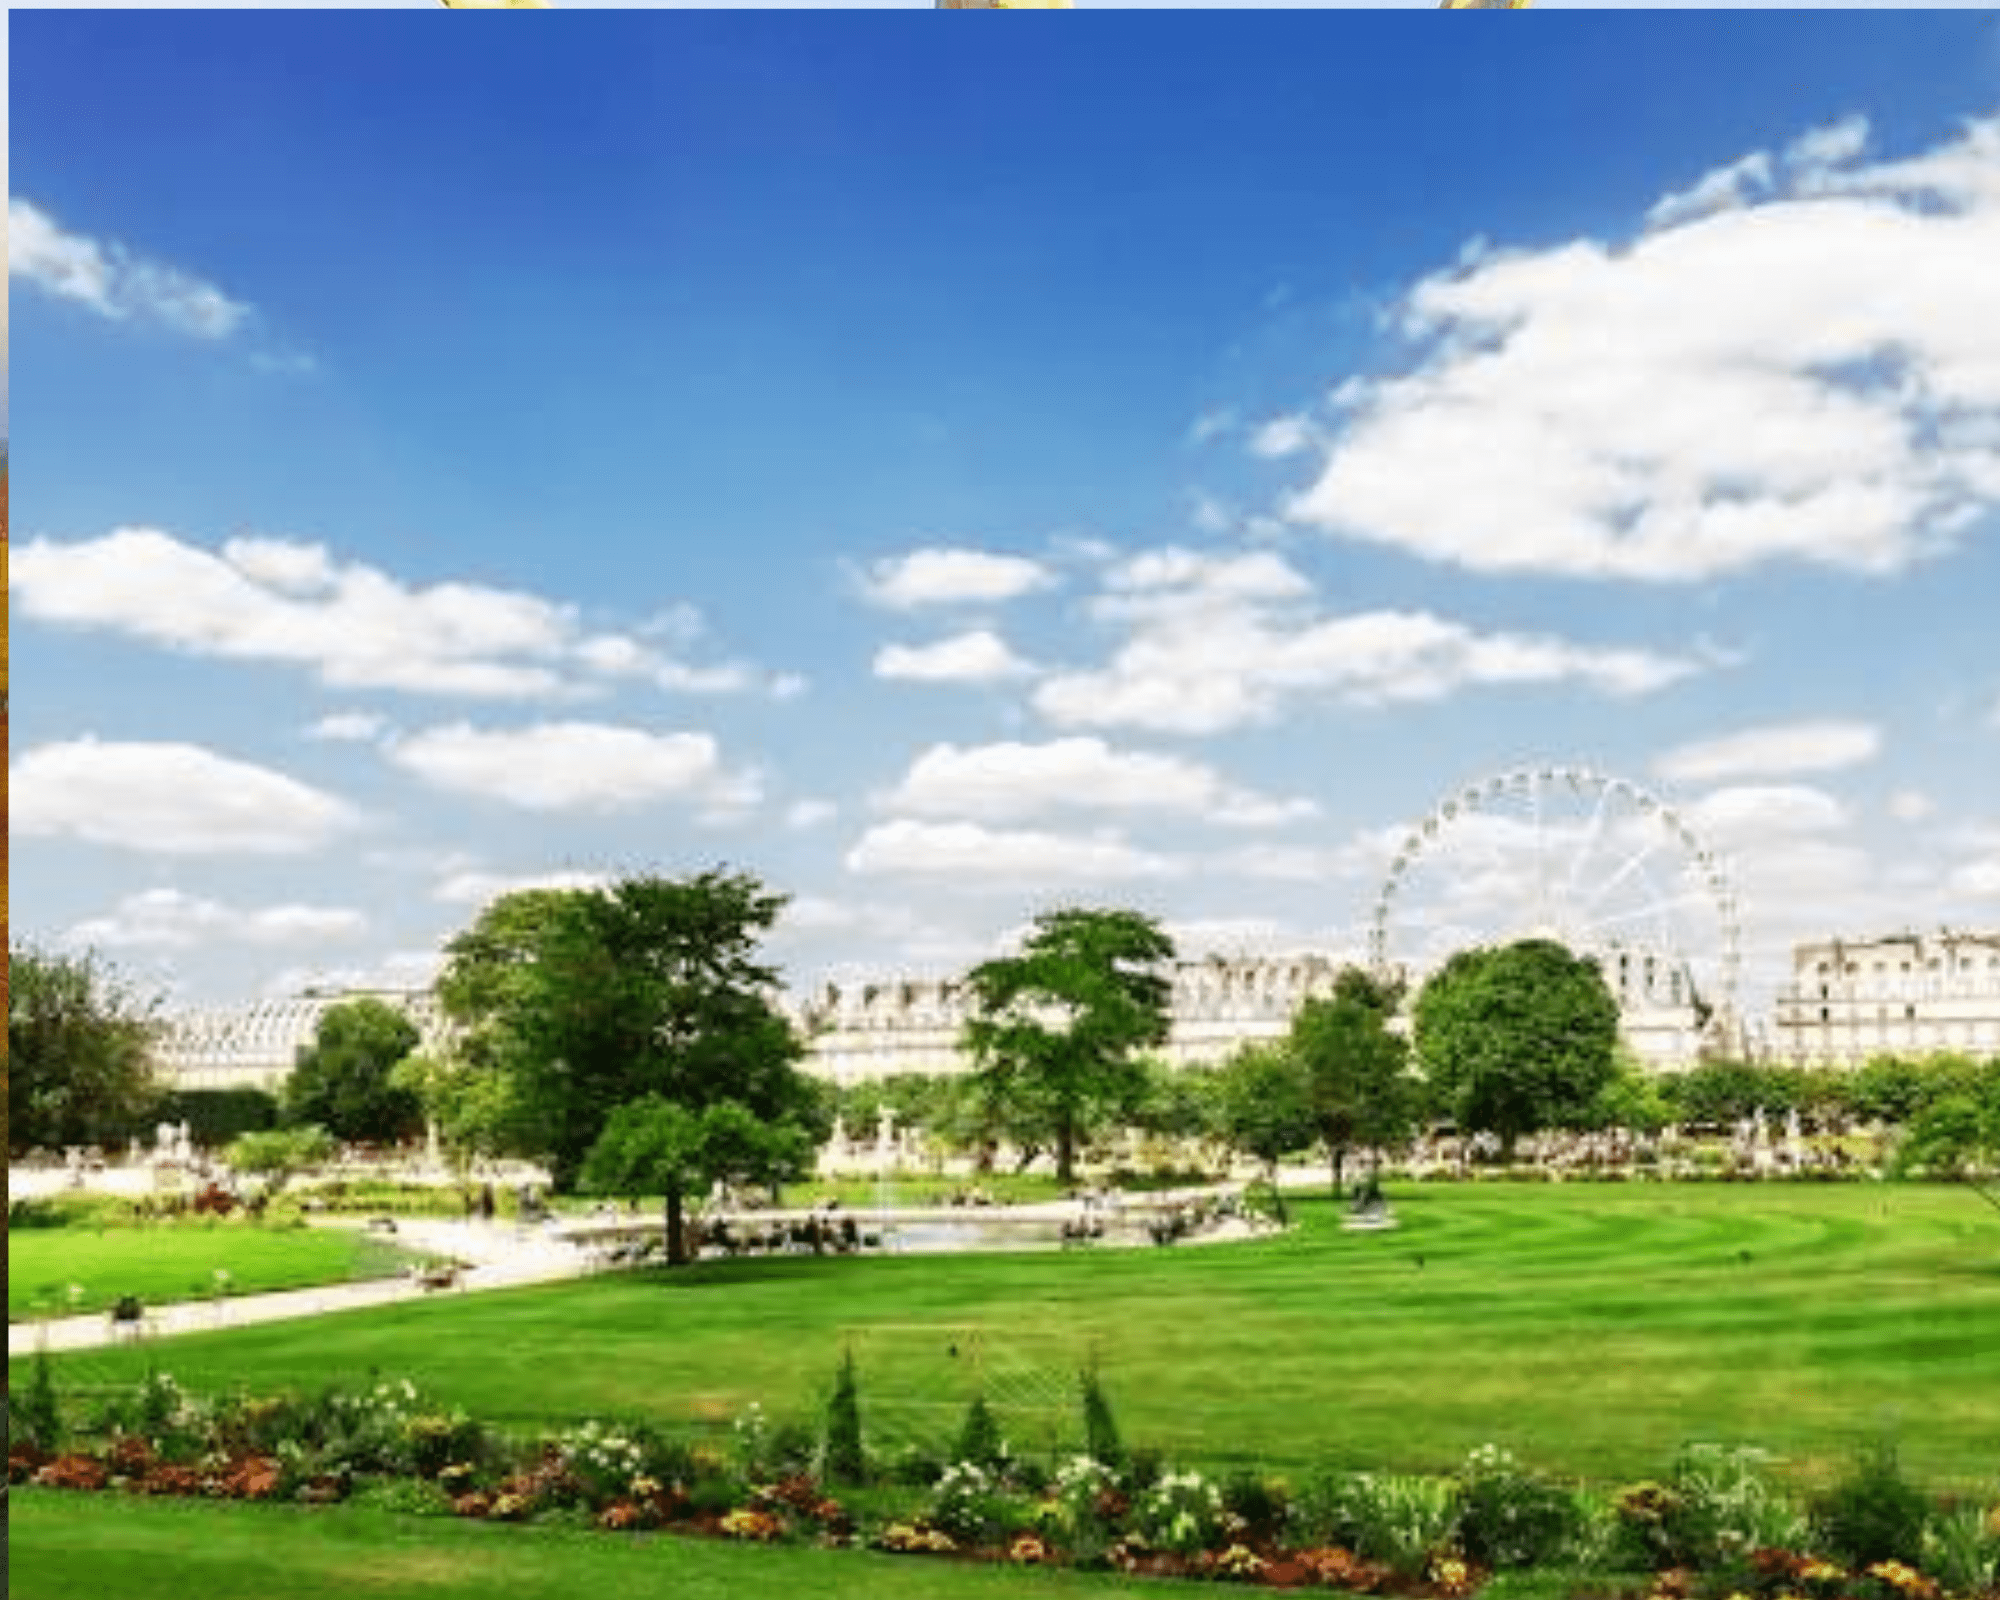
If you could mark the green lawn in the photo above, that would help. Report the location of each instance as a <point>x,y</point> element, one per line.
<point>1591,1329</point>
<point>65,1545</point>
<point>178,1261</point>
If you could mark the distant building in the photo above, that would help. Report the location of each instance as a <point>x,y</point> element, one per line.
<point>1907,994</point>
<point>862,1030</point>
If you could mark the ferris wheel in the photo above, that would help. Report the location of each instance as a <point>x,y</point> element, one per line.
<point>1595,862</point>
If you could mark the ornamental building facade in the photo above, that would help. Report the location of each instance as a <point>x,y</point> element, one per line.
<point>863,1030</point>
<point>1909,994</point>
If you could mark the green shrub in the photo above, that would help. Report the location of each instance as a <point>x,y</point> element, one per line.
<point>1100,1431</point>
<point>409,1497</point>
<point>1182,1513</point>
<point>37,1415</point>
<point>915,1467</point>
<point>967,1503</point>
<point>1722,1506</point>
<point>1261,1502</point>
<point>980,1440</point>
<point>1962,1550</point>
<point>1381,1516</point>
<point>1510,1518</point>
<point>844,1461</point>
<point>1873,1513</point>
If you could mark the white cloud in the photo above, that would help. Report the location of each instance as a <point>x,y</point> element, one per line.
<point>980,656</point>
<point>264,599</point>
<point>1282,436</point>
<point>1834,144</point>
<point>1212,644</point>
<point>348,726</point>
<point>470,888</point>
<point>1720,190</point>
<point>1809,376</point>
<point>811,812</point>
<point>1211,424</point>
<point>168,919</point>
<point>176,799</point>
<point>573,766</point>
<point>1911,805</point>
<point>1775,750</point>
<point>966,853</point>
<point>1740,818</point>
<point>947,576</point>
<point>1009,781</point>
<point>111,280</point>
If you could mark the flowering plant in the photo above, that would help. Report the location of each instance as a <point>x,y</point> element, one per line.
<point>966,1502</point>
<point>1181,1513</point>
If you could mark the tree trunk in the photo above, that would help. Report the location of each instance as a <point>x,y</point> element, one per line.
<point>1065,1151</point>
<point>1339,1157</point>
<point>676,1244</point>
<point>1278,1196</point>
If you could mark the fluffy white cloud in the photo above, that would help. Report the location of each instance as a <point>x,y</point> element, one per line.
<point>1740,818</point>
<point>169,919</point>
<point>966,853</point>
<point>356,727</point>
<point>811,812</point>
<point>1810,374</point>
<point>470,888</point>
<point>1775,750</point>
<point>573,766</point>
<point>1911,805</point>
<point>111,280</point>
<point>263,599</point>
<point>1008,781</point>
<point>946,576</point>
<point>176,799</point>
<point>980,656</point>
<point>1216,642</point>
<point>1282,436</point>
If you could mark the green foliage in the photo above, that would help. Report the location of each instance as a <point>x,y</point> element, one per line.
<point>1182,1512</point>
<point>1054,1029</point>
<point>343,1080</point>
<point>1715,1504</point>
<point>1357,1087</point>
<point>967,1503</point>
<point>1511,1518</point>
<point>1381,1516</point>
<point>216,1116</point>
<point>1947,1138</point>
<point>1517,1038</point>
<point>37,1414</point>
<point>277,1155</point>
<point>1962,1551</point>
<point>78,1042</point>
<point>405,1497</point>
<point>844,1460</point>
<point>1260,1502</point>
<point>1873,1513</point>
<point>1100,1429</point>
<point>591,999</point>
<point>1264,1100</point>
<point>980,1440</point>
<point>1631,1098</point>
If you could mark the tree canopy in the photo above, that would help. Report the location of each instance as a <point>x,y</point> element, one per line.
<point>1356,1068</point>
<point>1517,1037</point>
<point>588,1000</point>
<point>1054,1029</point>
<point>78,1045</point>
<point>344,1080</point>
<point>1264,1105</point>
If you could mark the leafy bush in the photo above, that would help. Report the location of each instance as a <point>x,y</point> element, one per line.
<point>1100,1431</point>
<point>37,1415</point>
<point>1720,1505</point>
<point>1382,1516</point>
<point>1509,1518</point>
<point>1962,1550</point>
<point>1873,1513</point>
<point>844,1460</point>
<point>980,1440</point>
<point>1260,1502</point>
<point>409,1497</point>
<point>1182,1513</point>
<point>967,1504</point>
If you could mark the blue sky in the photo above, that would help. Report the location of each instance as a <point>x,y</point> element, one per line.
<point>1149,466</point>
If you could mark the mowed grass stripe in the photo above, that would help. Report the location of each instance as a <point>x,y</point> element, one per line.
<point>1593,1329</point>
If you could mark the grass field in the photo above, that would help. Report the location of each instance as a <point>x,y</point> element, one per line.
<point>178,1262</point>
<point>1591,1329</point>
<point>66,1545</point>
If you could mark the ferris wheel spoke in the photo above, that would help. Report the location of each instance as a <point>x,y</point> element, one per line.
<point>1632,864</point>
<point>1593,833</point>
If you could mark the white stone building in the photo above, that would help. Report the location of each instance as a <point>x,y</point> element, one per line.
<point>1907,994</point>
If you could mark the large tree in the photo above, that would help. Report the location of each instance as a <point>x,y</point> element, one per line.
<point>78,1045</point>
<point>343,1081</point>
<point>1517,1037</point>
<point>1356,1067</point>
<point>1054,1029</point>
<point>1265,1106</point>
<point>588,1000</point>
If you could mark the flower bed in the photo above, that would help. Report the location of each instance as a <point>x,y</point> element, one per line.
<point>1714,1527</point>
